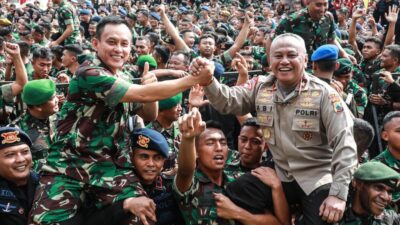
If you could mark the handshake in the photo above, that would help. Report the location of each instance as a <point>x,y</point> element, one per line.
<point>202,70</point>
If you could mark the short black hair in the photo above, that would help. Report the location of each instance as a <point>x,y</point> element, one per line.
<point>394,51</point>
<point>42,53</point>
<point>24,48</point>
<point>326,65</point>
<point>39,29</point>
<point>376,40</point>
<point>389,117</point>
<point>208,35</point>
<point>363,135</point>
<point>114,20</point>
<point>57,51</point>
<point>163,51</point>
<point>74,48</point>
<point>186,56</point>
<point>153,37</point>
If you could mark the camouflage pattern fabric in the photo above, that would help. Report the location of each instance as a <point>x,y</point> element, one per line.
<point>39,132</point>
<point>173,137</point>
<point>388,217</point>
<point>197,205</point>
<point>90,146</point>
<point>368,68</point>
<point>359,94</point>
<point>314,33</point>
<point>66,15</point>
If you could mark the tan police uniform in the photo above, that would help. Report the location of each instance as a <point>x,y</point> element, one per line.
<point>309,132</point>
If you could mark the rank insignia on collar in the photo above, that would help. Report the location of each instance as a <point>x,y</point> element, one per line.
<point>10,137</point>
<point>307,135</point>
<point>143,141</point>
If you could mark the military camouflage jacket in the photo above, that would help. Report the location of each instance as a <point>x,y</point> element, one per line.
<point>388,217</point>
<point>66,15</point>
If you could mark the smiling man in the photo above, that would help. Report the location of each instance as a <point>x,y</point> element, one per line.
<point>88,155</point>
<point>373,186</point>
<point>314,155</point>
<point>17,183</point>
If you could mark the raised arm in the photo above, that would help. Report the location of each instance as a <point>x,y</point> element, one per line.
<point>171,30</point>
<point>352,30</point>
<point>391,17</point>
<point>190,126</point>
<point>241,38</point>
<point>20,71</point>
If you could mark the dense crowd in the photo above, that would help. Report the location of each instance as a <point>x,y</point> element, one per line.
<point>200,112</point>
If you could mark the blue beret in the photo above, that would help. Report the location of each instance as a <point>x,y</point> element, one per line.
<point>89,3</point>
<point>12,136</point>
<point>122,11</point>
<point>204,7</point>
<point>155,16</point>
<point>182,9</point>
<point>219,69</point>
<point>85,12</point>
<point>325,52</point>
<point>149,139</point>
<point>96,18</point>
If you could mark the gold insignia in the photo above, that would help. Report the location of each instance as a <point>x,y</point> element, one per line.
<point>10,137</point>
<point>143,141</point>
<point>266,133</point>
<point>315,93</point>
<point>307,135</point>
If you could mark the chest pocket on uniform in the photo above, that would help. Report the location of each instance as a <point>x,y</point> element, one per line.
<point>306,127</point>
<point>265,118</point>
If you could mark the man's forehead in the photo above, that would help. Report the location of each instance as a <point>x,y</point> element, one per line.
<point>288,43</point>
<point>212,133</point>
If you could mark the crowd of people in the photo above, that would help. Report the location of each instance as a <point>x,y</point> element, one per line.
<point>200,112</point>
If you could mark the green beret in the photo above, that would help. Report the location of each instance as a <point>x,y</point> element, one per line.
<point>146,58</point>
<point>345,67</point>
<point>264,60</point>
<point>170,102</point>
<point>377,171</point>
<point>37,92</point>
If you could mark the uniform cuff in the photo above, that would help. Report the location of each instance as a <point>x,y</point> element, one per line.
<point>6,91</point>
<point>213,87</point>
<point>339,190</point>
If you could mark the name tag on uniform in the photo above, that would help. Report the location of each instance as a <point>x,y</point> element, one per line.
<point>307,112</point>
<point>265,120</point>
<point>264,108</point>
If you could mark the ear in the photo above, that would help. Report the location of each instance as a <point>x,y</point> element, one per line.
<point>95,43</point>
<point>385,135</point>
<point>337,66</point>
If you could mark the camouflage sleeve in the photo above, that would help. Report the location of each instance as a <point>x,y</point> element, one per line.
<point>186,197</point>
<point>331,34</point>
<point>108,88</point>
<point>360,96</point>
<point>283,27</point>
<point>6,92</point>
<point>67,16</point>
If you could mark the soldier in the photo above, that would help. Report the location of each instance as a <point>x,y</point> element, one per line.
<point>17,182</point>
<point>373,185</point>
<point>68,22</point>
<point>324,62</point>
<point>344,75</point>
<point>89,152</point>
<point>390,157</point>
<point>198,188</point>
<point>251,146</point>
<point>291,107</point>
<point>70,60</point>
<point>41,63</point>
<point>37,121</point>
<point>314,24</point>
<point>166,123</point>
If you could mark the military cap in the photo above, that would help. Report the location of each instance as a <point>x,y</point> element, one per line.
<point>170,102</point>
<point>132,16</point>
<point>5,22</point>
<point>325,52</point>
<point>377,172</point>
<point>155,16</point>
<point>37,92</point>
<point>204,7</point>
<point>182,9</point>
<point>146,58</point>
<point>173,8</point>
<point>149,139</point>
<point>259,18</point>
<point>225,13</point>
<point>219,69</point>
<point>96,18</point>
<point>169,40</point>
<point>345,67</point>
<point>84,12</point>
<point>89,4</point>
<point>122,12</point>
<point>349,51</point>
<point>12,136</point>
<point>264,60</point>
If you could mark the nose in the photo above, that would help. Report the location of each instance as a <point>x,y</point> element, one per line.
<point>20,157</point>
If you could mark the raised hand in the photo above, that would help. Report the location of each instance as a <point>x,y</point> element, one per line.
<point>392,14</point>
<point>191,124</point>
<point>358,13</point>
<point>196,97</point>
<point>12,49</point>
<point>267,176</point>
<point>203,70</point>
<point>148,77</point>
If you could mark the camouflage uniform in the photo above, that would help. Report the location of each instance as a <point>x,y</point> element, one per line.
<point>388,217</point>
<point>197,204</point>
<point>66,14</point>
<point>66,72</point>
<point>359,96</point>
<point>258,52</point>
<point>388,159</point>
<point>234,169</point>
<point>89,154</point>
<point>368,68</point>
<point>54,71</point>
<point>314,33</point>
<point>173,137</point>
<point>40,132</point>
<point>6,102</point>
<point>2,67</point>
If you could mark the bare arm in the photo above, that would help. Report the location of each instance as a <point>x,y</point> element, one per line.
<point>65,35</point>
<point>391,17</point>
<point>352,30</point>
<point>241,38</point>
<point>190,126</point>
<point>20,71</point>
<point>172,31</point>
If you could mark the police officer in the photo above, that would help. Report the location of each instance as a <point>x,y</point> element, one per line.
<point>314,155</point>
<point>37,121</point>
<point>373,185</point>
<point>17,182</point>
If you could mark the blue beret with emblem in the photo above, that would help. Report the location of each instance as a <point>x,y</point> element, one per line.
<point>12,136</point>
<point>149,139</point>
<point>325,52</point>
